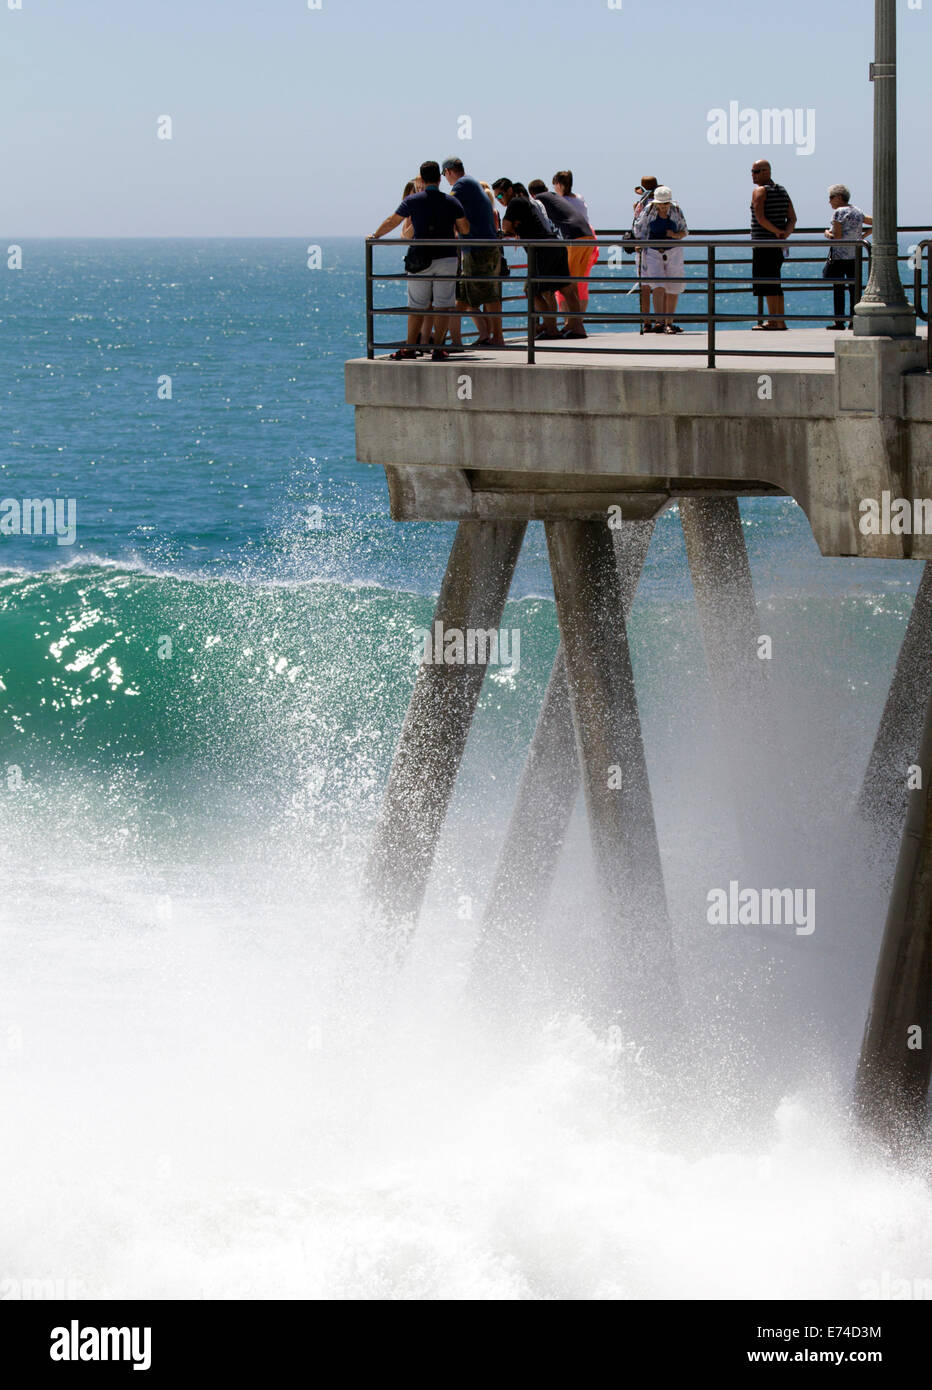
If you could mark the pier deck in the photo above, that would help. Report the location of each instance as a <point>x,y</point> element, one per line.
<point>793,341</point>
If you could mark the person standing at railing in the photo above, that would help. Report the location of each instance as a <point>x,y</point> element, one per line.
<point>416,185</point>
<point>434,215</point>
<point>847,229</point>
<point>521,192</point>
<point>562,183</point>
<point>407,226</point>
<point>574,228</point>
<point>662,220</point>
<point>645,194</point>
<point>524,221</point>
<point>773,220</point>
<point>476,291</point>
<point>582,256</point>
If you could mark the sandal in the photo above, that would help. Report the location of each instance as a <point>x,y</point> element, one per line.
<point>439,355</point>
<point>403,355</point>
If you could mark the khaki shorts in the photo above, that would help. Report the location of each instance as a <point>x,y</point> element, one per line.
<point>472,288</point>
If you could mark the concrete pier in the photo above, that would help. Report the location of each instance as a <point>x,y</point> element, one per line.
<point>570,438</point>
<point>567,441</point>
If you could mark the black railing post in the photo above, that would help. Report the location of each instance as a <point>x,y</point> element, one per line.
<point>370,333</point>
<point>916,254</point>
<point>531,320</point>
<point>710,303</point>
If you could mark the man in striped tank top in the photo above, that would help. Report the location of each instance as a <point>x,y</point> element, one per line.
<point>773,219</point>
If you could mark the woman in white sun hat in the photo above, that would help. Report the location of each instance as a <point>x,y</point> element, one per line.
<point>661,267</point>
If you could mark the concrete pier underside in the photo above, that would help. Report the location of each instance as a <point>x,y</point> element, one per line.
<point>494,443</point>
<point>498,439</point>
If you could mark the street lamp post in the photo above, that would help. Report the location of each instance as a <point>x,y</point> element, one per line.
<point>884,310</point>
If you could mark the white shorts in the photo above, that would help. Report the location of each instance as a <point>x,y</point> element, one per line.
<point>424,289</point>
<point>662,270</point>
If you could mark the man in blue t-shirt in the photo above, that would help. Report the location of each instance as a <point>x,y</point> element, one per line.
<point>476,290</point>
<point>434,216</point>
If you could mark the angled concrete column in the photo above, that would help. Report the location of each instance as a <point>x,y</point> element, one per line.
<point>721,577</point>
<point>546,797</point>
<point>728,625</point>
<point>892,1086</point>
<point>433,736</point>
<point>637,954</point>
<point>883,792</point>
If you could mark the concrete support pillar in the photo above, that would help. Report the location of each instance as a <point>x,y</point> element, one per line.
<point>884,311</point>
<point>883,792</point>
<point>892,1085</point>
<point>433,736</point>
<point>728,625</point>
<point>721,578</point>
<point>546,797</point>
<point>638,950</point>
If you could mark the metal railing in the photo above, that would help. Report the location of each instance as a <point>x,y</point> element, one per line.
<point>919,254</point>
<point>722,274</point>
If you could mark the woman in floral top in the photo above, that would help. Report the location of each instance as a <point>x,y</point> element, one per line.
<point>846,229</point>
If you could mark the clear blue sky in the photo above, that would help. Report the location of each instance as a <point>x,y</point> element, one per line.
<point>296,122</point>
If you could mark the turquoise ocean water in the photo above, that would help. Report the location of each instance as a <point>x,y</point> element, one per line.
<point>198,704</point>
<point>236,510</point>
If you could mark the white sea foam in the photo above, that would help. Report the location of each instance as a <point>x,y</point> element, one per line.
<point>211,1086</point>
<point>212,1090</point>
